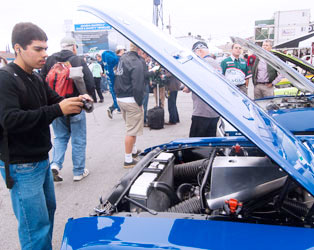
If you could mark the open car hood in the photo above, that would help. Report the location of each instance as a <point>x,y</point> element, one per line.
<point>297,61</point>
<point>295,78</point>
<point>278,143</point>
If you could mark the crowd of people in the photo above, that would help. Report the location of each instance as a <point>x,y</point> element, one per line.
<point>30,102</point>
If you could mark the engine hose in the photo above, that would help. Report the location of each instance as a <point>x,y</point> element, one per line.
<point>165,188</point>
<point>296,207</point>
<point>192,205</point>
<point>183,189</point>
<point>189,170</point>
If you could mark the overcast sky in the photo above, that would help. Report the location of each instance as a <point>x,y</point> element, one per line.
<point>216,19</point>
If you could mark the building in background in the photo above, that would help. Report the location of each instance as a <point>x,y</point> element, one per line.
<point>284,26</point>
<point>291,24</point>
<point>264,29</point>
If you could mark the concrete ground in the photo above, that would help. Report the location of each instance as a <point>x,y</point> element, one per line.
<point>104,159</point>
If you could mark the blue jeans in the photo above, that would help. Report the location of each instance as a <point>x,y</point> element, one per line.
<point>103,84</point>
<point>114,98</point>
<point>34,203</point>
<point>145,101</point>
<point>64,128</point>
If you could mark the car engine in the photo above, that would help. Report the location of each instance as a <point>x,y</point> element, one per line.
<point>292,102</point>
<point>231,183</point>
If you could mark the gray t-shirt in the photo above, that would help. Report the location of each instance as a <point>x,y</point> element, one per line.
<point>200,108</point>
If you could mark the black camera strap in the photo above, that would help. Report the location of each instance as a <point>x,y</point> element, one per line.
<point>8,179</point>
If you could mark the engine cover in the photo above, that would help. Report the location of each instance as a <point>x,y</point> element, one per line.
<point>246,178</point>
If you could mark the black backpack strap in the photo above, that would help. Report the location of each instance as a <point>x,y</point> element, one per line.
<point>71,59</point>
<point>8,179</point>
<point>19,80</point>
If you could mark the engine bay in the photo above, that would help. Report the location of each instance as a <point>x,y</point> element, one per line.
<point>289,102</point>
<point>223,183</point>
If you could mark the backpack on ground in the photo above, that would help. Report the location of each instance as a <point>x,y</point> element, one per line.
<point>155,116</point>
<point>59,80</point>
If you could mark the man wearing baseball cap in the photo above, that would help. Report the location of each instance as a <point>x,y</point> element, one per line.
<point>204,118</point>
<point>70,126</point>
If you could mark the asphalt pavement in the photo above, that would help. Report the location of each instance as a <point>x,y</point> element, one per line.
<point>104,159</point>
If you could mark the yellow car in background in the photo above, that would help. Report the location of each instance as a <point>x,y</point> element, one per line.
<point>284,87</point>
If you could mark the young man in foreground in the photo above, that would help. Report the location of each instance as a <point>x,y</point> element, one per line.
<point>27,108</point>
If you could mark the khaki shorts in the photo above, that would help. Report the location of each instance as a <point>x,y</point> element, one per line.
<point>133,116</point>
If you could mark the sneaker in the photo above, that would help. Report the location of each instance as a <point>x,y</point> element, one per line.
<point>119,112</point>
<point>101,100</point>
<point>137,153</point>
<point>109,112</point>
<point>56,173</point>
<point>80,177</point>
<point>130,164</point>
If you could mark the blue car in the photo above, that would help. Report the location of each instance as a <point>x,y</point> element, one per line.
<point>293,103</point>
<point>292,109</point>
<point>249,192</point>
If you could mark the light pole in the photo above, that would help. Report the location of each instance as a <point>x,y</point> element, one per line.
<point>158,12</point>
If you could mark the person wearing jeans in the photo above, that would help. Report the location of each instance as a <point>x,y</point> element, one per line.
<point>71,126</point>
<point>115,105</point>
<point>33,190</point>
<point>27,108</point>
<point>110,60</point>
<point>64,128</point>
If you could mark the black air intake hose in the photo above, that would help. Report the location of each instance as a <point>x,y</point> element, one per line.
<point>189,170</point>
<point>295,207</point>
<point>165,188</point>
<point>192,205</point>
